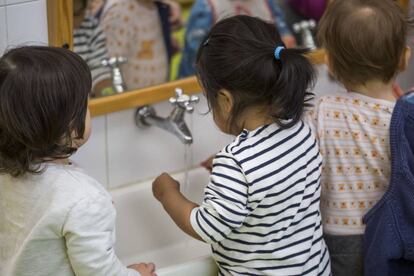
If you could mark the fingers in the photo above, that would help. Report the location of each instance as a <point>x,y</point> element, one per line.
<point>151,267</point>
<point>208,164</point>
<point>144,269</point>
<point>397,91</point>
<point>164,177</point>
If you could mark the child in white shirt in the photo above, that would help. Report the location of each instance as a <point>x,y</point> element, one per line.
<point>365,43</point>
<point>54,219</point>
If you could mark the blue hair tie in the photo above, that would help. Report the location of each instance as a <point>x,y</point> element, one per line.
<point>278,51</point>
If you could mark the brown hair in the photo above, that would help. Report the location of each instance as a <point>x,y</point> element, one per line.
<point>238,55</point>
<point>43,102</point>
<point>364,39</point>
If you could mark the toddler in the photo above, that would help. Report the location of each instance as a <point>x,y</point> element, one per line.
<point>365,45</point>
<point>261,207</point>
<point>133,30</point>
<point>54,219</point>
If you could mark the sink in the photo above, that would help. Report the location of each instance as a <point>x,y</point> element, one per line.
<point>145,233</point>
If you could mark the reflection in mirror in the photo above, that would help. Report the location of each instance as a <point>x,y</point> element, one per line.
<point>132,44</point>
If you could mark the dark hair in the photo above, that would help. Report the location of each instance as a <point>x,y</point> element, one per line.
<point>43,102</point>
<point>364,39</point>
<point>238,55</point>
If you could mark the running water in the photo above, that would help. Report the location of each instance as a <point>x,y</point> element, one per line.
<point>187,166</point>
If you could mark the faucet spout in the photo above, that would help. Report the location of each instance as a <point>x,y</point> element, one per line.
<point>175,123</point>
<point>180,129</point>
<point>146,116</point>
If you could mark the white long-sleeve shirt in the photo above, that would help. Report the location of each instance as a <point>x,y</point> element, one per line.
<point>60,222</point>
<point>353,134</point>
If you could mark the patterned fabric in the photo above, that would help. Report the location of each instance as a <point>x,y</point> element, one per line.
<point>353,132</point>
<point>133,30</point>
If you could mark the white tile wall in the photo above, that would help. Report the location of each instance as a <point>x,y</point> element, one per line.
<point>2,3</point>
<point>3,30</point>
<point>325,84</point>
<point>135,154</point>
<point>132,154</point>
<point>26,23</point>
<point>208,139</point>
<point>93,155</point>
<point>13,2</point>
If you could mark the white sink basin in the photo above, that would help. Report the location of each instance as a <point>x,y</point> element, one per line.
<point>145,233</point>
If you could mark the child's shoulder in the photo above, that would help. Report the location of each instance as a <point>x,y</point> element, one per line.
<point>73,181</point>
<point>354,101</point>
<point>250,143</point>
<point>334,99</point>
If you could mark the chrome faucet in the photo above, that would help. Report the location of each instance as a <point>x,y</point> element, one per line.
<point>117,78</point>
<point>146,116</point>
<point>305,28</point>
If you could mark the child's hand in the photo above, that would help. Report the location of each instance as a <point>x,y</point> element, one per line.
<point>144,269</point>
<point>208,163</point>
<point>397,91</point>
<point>289,41</point>
<point>163,184</point>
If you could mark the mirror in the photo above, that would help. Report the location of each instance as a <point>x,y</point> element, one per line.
<point>133,44</point>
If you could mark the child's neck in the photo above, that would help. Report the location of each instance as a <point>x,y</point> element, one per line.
<point>254,118</point>
<point>374,89</point>
<point>64,161</point>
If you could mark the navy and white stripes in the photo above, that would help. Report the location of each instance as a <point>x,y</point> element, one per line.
<point>261,208</point>
<point>89,42</point>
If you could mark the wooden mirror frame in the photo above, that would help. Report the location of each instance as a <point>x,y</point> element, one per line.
<point>60,30</point>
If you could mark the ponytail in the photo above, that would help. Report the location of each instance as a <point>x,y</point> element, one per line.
<point>240,55</point>
<point>296,77</point>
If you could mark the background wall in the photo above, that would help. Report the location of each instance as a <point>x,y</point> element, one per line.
<point>22,22</point>
<point>118,153</point>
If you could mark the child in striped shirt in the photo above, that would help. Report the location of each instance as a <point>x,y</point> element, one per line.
<point>260,211</point>
<point>89,42</point>
<point>366,48</point>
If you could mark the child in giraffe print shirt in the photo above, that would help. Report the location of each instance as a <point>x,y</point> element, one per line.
<point>133,30</point>
<point>353,127</point>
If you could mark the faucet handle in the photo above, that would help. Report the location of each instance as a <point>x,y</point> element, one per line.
<point>183,101</point>
<point>178,92</point>
<point>297,28</point>
<point>189,106</point>
<point>113,61</point>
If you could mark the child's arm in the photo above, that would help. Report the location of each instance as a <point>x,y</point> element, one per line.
<point>90,237</point>
<point>224,207</point>
<point>208,163</point>
<point>198,25</point>
<point>283,28</point>
<point>167,191</point>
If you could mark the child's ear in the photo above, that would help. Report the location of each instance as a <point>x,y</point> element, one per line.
<point>405,58</point>
<point>225,100</point>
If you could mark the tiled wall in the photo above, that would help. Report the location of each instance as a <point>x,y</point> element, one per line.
<point>118,153</point>
<point>22,22</point>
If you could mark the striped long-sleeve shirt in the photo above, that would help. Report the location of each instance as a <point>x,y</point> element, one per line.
<point>89,42</point>
<point>261,208</point>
